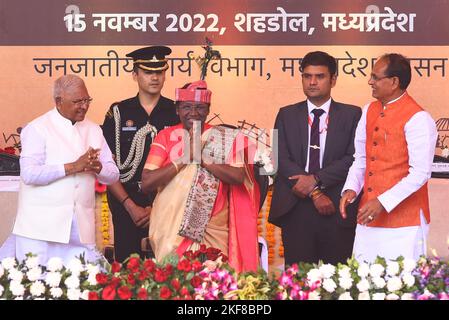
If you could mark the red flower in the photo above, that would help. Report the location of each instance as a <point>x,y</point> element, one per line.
<point>175,284</point>
<point>108,293</point>
<point>131,279</point>
<point>184,291</point>
<point>197,266</point>
<point>202,248</point>
<point>184,265</point>
<point>149,265</point>
<point>115,267</point>
<point>115,281</point>
<point>133,264</point>
<point>99,187</point>
<point>196,281</point>
<point>165,293</point>
<point>93,295</point>
<point>101,278</point>
<point>168,269</point>
<point>160,276</point>
<point>142,275</point>
<point>142,294</point>
<point>188,254</point>
<point>212,253</point>
<point>211,250</point>
<point>124,293</point>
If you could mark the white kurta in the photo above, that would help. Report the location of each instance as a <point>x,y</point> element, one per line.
<point>57,227</point>
<point>410,242</point>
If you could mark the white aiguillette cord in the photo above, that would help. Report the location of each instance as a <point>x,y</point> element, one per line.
<point>136,150</point>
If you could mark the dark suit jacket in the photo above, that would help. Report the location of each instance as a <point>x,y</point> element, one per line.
<point>291,123</point>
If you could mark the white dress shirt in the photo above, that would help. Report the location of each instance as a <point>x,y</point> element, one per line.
<point>324,119</point>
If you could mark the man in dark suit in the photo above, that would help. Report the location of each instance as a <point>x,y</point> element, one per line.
<point>315,151</point>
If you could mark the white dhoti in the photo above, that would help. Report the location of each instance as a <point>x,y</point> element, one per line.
<point>47,249</point>
<point>390,243</point>
<point>8,248</point>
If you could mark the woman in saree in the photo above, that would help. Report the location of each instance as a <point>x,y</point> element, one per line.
<point>206,189</point>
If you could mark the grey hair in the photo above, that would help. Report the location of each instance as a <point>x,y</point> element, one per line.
<point>66,82</point>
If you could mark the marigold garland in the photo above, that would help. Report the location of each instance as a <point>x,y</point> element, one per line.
<point>104,227</point>
<point>269,231</point>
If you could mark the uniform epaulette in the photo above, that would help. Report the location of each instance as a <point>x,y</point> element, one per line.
<point>110,113</point>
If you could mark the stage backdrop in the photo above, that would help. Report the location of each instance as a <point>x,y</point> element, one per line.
<point>261,44</point>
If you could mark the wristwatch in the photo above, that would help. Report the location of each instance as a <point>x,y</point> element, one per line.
<point>319,184</point>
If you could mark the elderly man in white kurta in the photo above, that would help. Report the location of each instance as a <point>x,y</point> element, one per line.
<point>62,154</point>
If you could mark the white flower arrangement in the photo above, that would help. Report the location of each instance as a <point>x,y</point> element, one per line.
<point>53,279</point>
<point>346,282</point>
<point>327,270</point>
<point>56,292</point>
<point>345,272</point>
<point>8,263</point>
<point>32,262</point>
<point>15,275</point>
<point>329,285</point>
<point>408,279</point>
<point>381,280</point>
<point>379,296</point>
<point>363,285</point>
<point>55,264</point>
<point>392,296</point>
<point>34,274</point>
<point>363,270</point>
<point>409,265</point>
<point>376,270</point>
<point>72,282</point>
<point>17,289</point>
<point>392,268</point>
<point>73,294</point>
<point>314,276</point>
<point>364,296</point>
<point>29,280</point>
<point>37,289</point>
<point>407,296</point>
<point>345,296</point>
<point>394,284</point>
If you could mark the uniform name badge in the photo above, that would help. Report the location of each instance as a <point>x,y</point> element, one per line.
<point>129,128</point>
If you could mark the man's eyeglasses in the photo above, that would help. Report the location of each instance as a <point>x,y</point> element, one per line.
<point>189,108</point>
<point>376,78</point>
<point>80,102</point>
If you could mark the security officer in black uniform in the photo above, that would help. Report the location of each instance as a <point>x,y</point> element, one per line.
<point>129,129</point>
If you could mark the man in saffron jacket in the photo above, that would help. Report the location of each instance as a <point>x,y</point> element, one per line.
<point>394,149</point>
